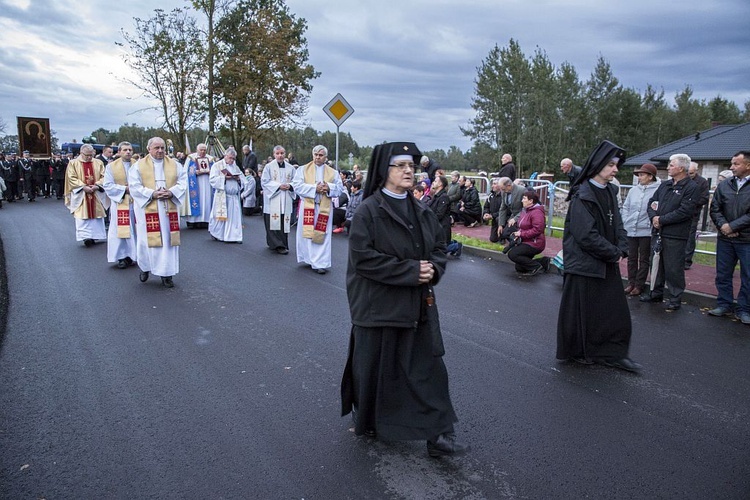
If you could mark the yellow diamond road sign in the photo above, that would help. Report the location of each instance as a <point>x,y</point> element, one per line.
<point>338,110</point>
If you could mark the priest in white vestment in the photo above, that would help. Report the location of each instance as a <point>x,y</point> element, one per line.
<point>278,197</point>
<point>121,234</point>
<point>316,183</point>
<point>85,197</point>
<point>226,212</point>
<point>157,183</point>
<point>197,205</point>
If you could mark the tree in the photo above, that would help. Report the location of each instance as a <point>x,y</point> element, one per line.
<point>263,71</point>
<point>500,100</point>
<point>724,112</point>
<point>166,52</point>
<point>690,115</point>
<point>602,92</point>
<point>9,143</point>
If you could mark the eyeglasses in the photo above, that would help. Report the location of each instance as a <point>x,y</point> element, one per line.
<point>403,165</point>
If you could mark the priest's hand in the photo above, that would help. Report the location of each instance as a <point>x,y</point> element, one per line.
<point>284,187</point>
<point>426,272</point>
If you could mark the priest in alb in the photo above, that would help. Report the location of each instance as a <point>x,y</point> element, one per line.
<point>198,199</point>
<point>316,184</point>
<point>226,213</point>
<point>278,196</point>
<point>85,197</point>
<point>121,234</point>
<point>157,184</point>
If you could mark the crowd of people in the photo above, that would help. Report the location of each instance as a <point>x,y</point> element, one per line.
<point>399,226</point>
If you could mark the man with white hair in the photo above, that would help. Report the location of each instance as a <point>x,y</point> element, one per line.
<point>198,202</point>
<point>85,197</point>
<point>671,209</point>
<point>316,184</point>
<point>571,171</point>
<point>157,184</point>
<point>429,167</point>
<point>226,214</point>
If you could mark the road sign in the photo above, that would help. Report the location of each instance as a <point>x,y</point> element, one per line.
<point>338,110</point>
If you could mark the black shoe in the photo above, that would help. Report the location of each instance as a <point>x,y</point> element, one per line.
<point>446,444</point>
<point>121,264</point>
<point>143,276</point>
<point>545,261</point>
<point>128,261</point>
<point>688,266</point>
<point>582,361</point>
<point>167,281</point>
<point>647,297</point>
<point>626,364</point>
<point>88,242</point>
<point>674,305</point>
<point>320,271</point>
<point>282,251</point>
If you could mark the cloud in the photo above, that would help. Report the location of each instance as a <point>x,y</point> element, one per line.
<point>407,67</point>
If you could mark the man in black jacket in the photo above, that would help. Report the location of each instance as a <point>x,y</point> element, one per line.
<point>491,209</point>
<point>26,175</point>
<point>730,211</point>
<point>702,200</point>
<point>671,210</point>
<point>508,168</point>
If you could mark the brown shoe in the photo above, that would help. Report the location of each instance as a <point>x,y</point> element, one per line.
<point>635,291</point>
<point>629,288</point>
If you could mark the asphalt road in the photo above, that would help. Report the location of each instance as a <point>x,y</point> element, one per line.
<point>227,386</point>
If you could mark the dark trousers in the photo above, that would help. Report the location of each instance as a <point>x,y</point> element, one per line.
<point>728,253</point>
<point>671,268</point>
<point>12,193</point>
<point>690,248</point>
<point>57,185</point>
<point>339,216</point>
<point>639,259</point>
<point>468,218</point>
<point>45,185</point>
<point>276,239</point>
<point>494,237</point>
<point>29,186</point>
<point>523,256</point>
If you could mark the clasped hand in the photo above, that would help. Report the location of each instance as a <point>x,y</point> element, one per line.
<point>426,272</point>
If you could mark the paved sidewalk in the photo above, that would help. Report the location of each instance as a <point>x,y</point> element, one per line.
<point>701,289</point>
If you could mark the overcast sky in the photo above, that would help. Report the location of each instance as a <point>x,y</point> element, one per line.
<point>407,67</point>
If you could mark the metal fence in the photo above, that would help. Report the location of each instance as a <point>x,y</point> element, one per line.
<point>558,207</point>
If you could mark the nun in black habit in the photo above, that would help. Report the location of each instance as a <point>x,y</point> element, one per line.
<point>395,383</point>
<point>594,325</point>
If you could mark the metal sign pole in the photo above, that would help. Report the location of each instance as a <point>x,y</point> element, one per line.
<point>337,147</point>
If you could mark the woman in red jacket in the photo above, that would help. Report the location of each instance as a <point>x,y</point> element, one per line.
<point>530,237</point>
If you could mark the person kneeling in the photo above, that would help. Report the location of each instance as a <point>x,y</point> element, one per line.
<point>531,225</point>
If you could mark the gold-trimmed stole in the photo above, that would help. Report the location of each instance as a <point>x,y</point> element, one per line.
<point>312,229</point>
<point>123,208</point>
<point>153,227</point>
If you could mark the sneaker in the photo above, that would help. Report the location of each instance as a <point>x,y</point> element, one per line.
<point>473,224</point>
<point>744,317</point>
<point>720,311</point>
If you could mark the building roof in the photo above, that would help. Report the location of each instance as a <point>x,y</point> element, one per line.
<point>719,143</point>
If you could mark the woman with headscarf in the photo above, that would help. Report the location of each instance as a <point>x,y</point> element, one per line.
<point>593,324</point>
<point>395,382</point>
